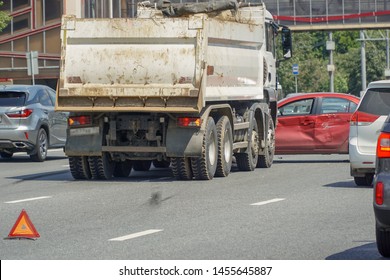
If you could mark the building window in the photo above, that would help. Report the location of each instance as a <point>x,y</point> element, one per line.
<point>18,23</point>
<point>19,4</point>
<point>53,9</point>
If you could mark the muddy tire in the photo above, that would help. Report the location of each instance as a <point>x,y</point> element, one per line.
<point>181,168</point>
<point>123,169</point>
<point>102,168</point>
<point>247,161</point>
<point>142,165</point>
<point>225,147</point>
<point>204,167</point>
<point>266,160</point>
<point>79,168</point>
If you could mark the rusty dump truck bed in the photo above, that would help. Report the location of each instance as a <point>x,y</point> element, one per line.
<point>157,63</point>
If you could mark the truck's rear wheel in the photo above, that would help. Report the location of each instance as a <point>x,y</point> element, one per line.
<point>225,147</point>
<point>101,167</point>
<point>204,167</point>
<point>123,168</point>
<point>247,161</point>
<point>266,160</point>
<point>142,165</point>
<point>181,168</point>
<point>162,163</point>
<point>79,168</point>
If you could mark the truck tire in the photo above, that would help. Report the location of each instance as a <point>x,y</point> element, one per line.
<point>247,161</point>
<point>181,168</point>
<point>123,169</point>
<point>142,165</point>
<point>266,160</point>
<point>42,144</point>
<point>205,166</point>
<point>102,168</point>
<point>225,147</point>
<point>383,241</point>
<point>161,164</point>
<point>79,168</point>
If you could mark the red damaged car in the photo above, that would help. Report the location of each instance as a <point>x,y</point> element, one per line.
<point>314,123</point>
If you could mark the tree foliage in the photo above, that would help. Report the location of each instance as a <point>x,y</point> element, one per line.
<point>310,53</point>
<point>4,18</point>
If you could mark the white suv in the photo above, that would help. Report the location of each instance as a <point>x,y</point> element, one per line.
<point>365,126</point>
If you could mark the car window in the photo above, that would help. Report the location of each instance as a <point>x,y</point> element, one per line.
<point>376,102</point>
<point>300,107</point>
<point>337,105</point>
<point>44,98</point>
<point>12,99</point>
<point>52,95</point>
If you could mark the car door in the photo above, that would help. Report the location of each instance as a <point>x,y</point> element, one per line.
<point>332,124</point>
<point>295,128</point>
<point>58,122</point>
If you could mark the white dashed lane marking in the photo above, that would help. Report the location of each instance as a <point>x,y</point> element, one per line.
<point>135,235</point>
<point>268,201</point>
<point>28,199</point>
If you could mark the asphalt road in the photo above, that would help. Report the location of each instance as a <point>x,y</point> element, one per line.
<point>302,208</point>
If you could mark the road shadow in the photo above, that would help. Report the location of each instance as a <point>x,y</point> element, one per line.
<point>364,252</point>
<point>350,184</point>
<point>278,161</point>
<point>27,159</point>
<point>311,158</point>
<point>158,174</point>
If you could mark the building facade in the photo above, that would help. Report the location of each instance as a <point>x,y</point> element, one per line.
<point>36,26</point>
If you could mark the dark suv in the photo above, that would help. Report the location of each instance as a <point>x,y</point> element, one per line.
<point>382,190</point>
<point>28,122</point>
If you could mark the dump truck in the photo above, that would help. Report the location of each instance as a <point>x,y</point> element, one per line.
<point>192,86</point>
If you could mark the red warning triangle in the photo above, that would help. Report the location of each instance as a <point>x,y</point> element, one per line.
<point>23,228</point>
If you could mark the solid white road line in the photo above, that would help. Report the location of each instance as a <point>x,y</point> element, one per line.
<point>268,201</point>
<point>135,235</point>
<point>28,199</point>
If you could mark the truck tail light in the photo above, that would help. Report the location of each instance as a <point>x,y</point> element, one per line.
<point>379,193</point>
<point>362,119</point>
<point>189,122</point>
<point>22,114</point>
<point>79,120</point>
<point>383,145</point>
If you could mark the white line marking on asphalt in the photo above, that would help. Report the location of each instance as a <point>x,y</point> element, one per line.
<point>28,199</point>
<point>135,235</point>
<point>268,201</point>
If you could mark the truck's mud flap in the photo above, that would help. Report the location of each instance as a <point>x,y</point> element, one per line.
<point>84,145</point>
<point>184,141</point>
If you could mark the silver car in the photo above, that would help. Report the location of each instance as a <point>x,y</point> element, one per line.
<point>28,122</point>
<point>365,126</point>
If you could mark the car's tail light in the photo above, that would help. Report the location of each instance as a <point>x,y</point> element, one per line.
<point>379,193</point>
<point>22,114</point>
<point>361,118</point>
<point>79,120</point>
<point>383,145</point>
<point>189,122</point>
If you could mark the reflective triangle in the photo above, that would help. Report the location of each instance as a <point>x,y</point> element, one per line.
<point>23,228</point>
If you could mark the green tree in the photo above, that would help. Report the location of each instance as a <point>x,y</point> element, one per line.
<point>4,18</point>
<point>309,52</point>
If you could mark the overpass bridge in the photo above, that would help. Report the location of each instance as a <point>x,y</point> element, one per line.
<point>313,15</point>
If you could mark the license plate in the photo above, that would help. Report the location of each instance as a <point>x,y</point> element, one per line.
<point>84,131</point>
